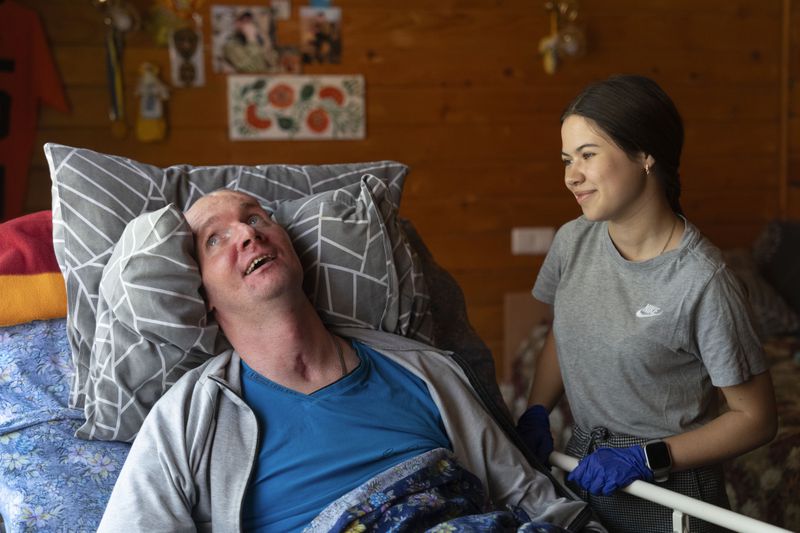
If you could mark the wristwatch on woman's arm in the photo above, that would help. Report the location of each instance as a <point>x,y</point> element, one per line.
<point>659,460</point>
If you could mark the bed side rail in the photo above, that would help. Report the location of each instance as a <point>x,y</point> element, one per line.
<point>682,506</point>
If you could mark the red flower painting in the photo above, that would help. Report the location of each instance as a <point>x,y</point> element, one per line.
<point>281,96</point>
<point>295,107</point>
<point>318,120</point>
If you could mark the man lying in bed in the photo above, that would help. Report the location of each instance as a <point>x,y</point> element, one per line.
<point>296,419</point>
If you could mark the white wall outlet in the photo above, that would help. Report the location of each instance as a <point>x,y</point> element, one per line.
<point>531,241</point>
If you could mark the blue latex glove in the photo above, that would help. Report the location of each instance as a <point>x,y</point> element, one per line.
<point>534,428</point>
<point>609,469</point>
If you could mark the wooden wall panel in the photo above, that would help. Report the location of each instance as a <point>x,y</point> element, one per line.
<point>455,89</point>
<point>792,191</point>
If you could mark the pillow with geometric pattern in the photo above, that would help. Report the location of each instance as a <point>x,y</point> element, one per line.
<point>152,324</point>
<point>96,195</point>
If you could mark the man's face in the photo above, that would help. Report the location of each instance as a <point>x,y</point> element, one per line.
<point>245,258</point>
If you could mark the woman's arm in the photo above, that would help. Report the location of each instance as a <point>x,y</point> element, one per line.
<point>548,387</point>
<point>750,422</point>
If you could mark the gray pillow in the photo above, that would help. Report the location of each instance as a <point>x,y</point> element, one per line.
<point>342,240</point>
<point>96,195</point>
<point>151,323</point>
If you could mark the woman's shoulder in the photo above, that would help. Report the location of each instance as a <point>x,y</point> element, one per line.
<point>700,250</point>
<point>702,263</point>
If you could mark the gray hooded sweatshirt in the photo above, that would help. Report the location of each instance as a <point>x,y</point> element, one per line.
<point>190,464</point>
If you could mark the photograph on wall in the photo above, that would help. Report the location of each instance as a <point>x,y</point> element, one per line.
<point>291,62</point>
<point>320,34</point>
<point>243,39</point>
<point>281,9</point>
<point>296,107</point>
<point>186,57</point>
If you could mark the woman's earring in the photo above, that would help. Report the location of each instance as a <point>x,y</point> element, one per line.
<point>647,169</point>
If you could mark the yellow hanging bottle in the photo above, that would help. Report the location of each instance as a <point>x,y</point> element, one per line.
<point>151,124</point>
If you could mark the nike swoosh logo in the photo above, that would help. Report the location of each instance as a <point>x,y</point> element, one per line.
<point>648,311</point>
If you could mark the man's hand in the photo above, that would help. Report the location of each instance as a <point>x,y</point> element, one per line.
<point>534,428</point>
<point>609,469</point>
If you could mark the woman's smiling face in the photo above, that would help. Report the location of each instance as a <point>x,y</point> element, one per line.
<point>607,184</point>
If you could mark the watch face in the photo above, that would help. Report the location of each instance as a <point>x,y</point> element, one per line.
<point>658,455</point>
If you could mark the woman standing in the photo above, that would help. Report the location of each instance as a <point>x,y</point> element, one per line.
<point>649,324</point>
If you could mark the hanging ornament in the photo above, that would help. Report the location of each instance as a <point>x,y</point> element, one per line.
<point>548,45</point>
<point>116,85</point>
<point>183,9</point>
<point>186,55</point>
<point>151,124</point>
<point>178,25</point>
<point>167,16</point>
<point>120,17</point>
<point>566,38</point>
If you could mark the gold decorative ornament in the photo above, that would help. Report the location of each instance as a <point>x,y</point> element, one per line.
<point>566,38</point>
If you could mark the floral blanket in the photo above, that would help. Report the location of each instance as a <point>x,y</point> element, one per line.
<point>430,492</point>
<point>49,480</point>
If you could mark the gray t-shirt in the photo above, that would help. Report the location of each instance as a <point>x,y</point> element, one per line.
<point>640,344</point>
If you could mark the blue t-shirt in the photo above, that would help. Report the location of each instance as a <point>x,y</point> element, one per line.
<point>315,448</point>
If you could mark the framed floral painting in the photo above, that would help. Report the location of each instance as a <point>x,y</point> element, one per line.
<point>295,107</point>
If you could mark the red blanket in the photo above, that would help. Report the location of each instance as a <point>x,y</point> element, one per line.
<point>31,285</point>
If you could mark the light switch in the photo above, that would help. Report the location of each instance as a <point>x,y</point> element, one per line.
<point>531,241</point>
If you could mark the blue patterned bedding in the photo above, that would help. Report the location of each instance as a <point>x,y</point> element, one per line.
<point>49,480</point>
<point>431,493</point>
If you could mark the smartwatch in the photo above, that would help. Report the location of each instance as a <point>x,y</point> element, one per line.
<point>659,460</point>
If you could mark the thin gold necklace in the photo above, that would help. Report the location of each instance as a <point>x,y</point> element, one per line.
<point>674,223</point>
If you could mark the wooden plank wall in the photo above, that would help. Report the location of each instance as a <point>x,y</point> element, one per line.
<point>793,112</point>
<point>456,90</point>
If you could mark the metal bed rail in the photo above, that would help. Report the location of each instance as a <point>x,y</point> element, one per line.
<point>682,506</point>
